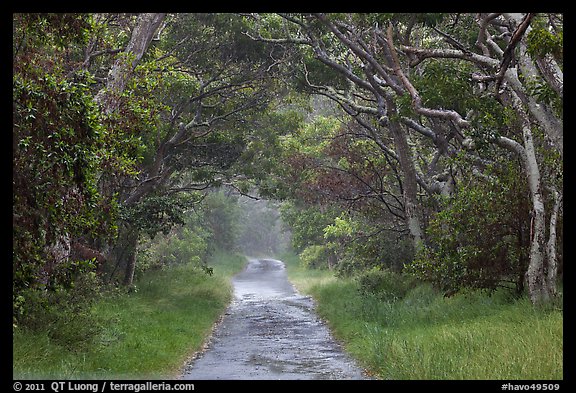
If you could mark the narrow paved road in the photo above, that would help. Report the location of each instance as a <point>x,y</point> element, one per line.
<point>271,332</point>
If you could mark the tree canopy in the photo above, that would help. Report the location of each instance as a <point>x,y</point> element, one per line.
<point>426,143</point>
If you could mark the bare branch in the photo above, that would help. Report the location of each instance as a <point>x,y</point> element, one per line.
<point>300,41</point>
<point>451,40</point>
<point>362,53</point>
<point>427,132</point>
<point>508,54</point>
<point>416,99</point>
<point>510,145</point>
<point>482,34</point>
<point>423,54</point>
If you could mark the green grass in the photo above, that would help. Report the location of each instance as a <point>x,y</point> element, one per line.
<point>149,333</point>
<point>427,336</point>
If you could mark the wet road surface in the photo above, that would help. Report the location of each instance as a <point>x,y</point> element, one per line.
<point>271,332</point>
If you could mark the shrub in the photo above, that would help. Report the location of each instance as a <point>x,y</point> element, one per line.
<point>315,257</point>
<point>481,236</point>
<point>385,284</point>
<point>64,311</point>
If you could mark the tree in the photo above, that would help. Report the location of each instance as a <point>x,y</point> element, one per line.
<point>383,63</point>
<point>516,94</point>
<point>58,149</point>
<point>146,26</point>
<point>118,116</point>
<point>109,100</point>
<point>189,95</point>
<point>215,79</point>
<point>167,109</point>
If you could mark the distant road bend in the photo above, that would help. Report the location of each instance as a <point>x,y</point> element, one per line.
<point>271,332</point>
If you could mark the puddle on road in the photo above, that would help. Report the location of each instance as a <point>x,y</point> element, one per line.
<point>271,332</point>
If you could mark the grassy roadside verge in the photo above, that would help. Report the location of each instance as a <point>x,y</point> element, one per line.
<point>146,334</point>
<point>427,336</point>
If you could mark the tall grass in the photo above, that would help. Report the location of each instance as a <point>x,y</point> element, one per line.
<point>426,336</point>
<point>146,334</point>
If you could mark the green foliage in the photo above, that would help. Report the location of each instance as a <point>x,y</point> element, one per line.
<point>447,85</point>
<point>306,224</point>
<point>63,313</point>
<point>187,245</point>
<point>175,310</point>
<point>157,213</point>
<point>56,132</point>
<point>543,93</point>
<point>340,228</point>
<point>489,121</point>
<point>480,238</point>
<point>319,74</point>
<point>190,232</point>
<point>183,245</point>
<point>262,159</point>
<point>221,217</point>
<point>57,29</point>
<point>430,19</point>
<point>541,42</point>
<point>209,157</point>
<point>312,138</point>
<point>384,284</point>
<point>227,75</point>
<point>58,147</point>
<point>360,245</point>
<point>315,257</point>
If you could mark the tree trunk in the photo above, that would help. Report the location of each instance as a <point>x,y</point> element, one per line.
<point>535,276</point>
<point>109,100</point>
<point>146,26</point>
<point>537,283</point>
<point>131,245</point>
<point>409,181</point>
<point>549,70</point>
<point>551,247</point>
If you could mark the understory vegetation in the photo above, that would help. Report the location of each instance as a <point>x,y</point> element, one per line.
<point>146,334</point>
<point>408,330</point>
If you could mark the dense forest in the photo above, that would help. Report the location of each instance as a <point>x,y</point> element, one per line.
<point>428,145</point>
